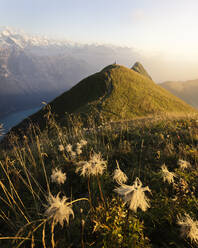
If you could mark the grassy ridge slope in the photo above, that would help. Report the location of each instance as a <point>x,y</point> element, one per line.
<point>115,93</point>
<point>134,95</point>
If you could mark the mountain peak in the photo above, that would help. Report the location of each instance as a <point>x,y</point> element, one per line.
<point>138,67</point>
<point>11,37</point>
<point>116,93</point>
<point>110,67</point>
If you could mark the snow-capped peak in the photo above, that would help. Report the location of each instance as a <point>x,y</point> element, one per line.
<point>10,37</point>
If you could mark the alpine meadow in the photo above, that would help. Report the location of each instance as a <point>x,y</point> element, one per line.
<point>97,167</point>
<point>95,151</point>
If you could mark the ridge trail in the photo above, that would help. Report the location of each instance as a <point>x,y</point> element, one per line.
<point>106,95</point>
<point>109,89</point>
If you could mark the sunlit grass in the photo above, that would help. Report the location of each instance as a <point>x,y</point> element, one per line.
<point>45,203</point>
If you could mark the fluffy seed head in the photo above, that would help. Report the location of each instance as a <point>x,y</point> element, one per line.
<point>58,176</point>
<point>183,164</point>
<point>119,176</point>
<point>78,148</point>
<point>73,154</point>
<point>95,166</point>
<point>83,142</point>
<point>134,195</point>
<point>61,148</point>
<point>167,175</point>
<point>78,151</point>
<point>189,228</point>
<point>59,209</point>
<point>69,148</point>
<point>78,145</point>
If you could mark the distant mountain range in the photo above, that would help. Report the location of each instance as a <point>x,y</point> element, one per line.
<point>115,93</point>
<point>35,68</point>
<point>30,72</point>
<point>186,90</point>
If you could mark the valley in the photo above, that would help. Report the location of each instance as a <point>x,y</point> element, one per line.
<point>15,118</point>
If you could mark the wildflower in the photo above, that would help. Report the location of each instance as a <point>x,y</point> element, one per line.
<point>59,209</point>
<point>79,145</point>
<point>183,164</point>
<point>189,228</point>
<point>69,148</point>
<point>73,154</point>
<point>57,176</point>
<point>95,166</point>
<point>78,151</point>
<point>134,195</point>
<point>182,188</point>
<point>78,148</point>
<point>167,175</point>
<point>61,148</point>
<point>119,176</point>
<point>83,142</point>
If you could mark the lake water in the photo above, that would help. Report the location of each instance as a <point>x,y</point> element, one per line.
<point>14,119</point>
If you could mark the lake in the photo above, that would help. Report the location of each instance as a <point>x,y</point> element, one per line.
<point>15,118</point>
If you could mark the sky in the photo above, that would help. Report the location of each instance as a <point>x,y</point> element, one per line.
<point>164,32</point>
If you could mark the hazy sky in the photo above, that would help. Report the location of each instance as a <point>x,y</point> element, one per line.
<point>163,31</point>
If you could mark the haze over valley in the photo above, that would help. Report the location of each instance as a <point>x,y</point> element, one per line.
<point>186,90</point>
<point>36,69</point>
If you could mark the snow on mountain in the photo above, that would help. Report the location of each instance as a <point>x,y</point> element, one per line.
<point>37,68</point>
<point>10,37</point>
<point>34,69</point>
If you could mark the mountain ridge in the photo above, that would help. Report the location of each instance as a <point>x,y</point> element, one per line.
<point>38,68</point>
<point>10,36</point>
<point>186,90</point>
<point>113,94</point>
<point>138,67</point>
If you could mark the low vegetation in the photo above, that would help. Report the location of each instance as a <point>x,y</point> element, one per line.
<point>122,184</point>
<point>113,94</point>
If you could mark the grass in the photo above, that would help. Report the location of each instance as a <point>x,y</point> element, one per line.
<point>101,218</point>
<point>134,95</point>
<point>113,94</point>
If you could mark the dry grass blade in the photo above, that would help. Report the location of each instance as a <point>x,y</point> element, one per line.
<point>41,160</point>
<point>11,184</point>
<point>43,236</point>
<point>52,234</point>
<point>10,197</point>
